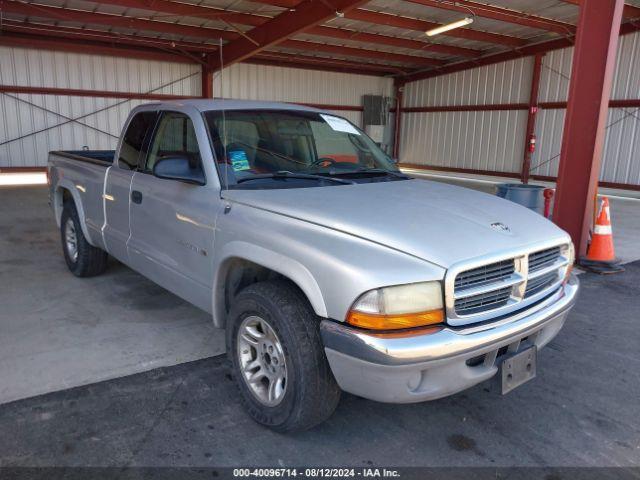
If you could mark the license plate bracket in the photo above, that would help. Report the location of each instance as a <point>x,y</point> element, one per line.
<point>519,368</point>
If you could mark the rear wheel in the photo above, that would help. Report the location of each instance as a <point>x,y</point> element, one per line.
<point>274,346</point>
<point>83,259</point>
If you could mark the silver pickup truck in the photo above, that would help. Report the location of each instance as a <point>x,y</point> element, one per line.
<point>329,268</point>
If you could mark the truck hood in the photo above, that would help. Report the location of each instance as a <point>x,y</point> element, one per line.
<point>437,222</point>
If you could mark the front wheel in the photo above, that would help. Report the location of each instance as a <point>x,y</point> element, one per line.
<point>273,343</point>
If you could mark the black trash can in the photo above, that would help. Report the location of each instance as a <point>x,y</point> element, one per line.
<point>530,196</point>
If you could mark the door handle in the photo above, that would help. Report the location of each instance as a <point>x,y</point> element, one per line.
<point>136,196</point>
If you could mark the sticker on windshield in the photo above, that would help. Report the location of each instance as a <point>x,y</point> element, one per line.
<point>339,124</point>
<point>239,160</point>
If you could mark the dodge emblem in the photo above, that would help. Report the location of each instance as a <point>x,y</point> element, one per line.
<point>500,227</point>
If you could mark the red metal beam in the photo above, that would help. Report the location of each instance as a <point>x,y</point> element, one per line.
<point>140,96</point>
<point>176,9</point>
<point>629,11</point>
<point>380,18</point>
<point>360,52</point>
<point>376,39</point>
<point>423,25</point>
<point>322,64</point>
<point>467,108</point>
<point>501,14</point>
<point>173,10</point>
<point>399,90</point>
<point>207,33</point>
<point>170,46</point>
<point>83,41</point>
<point>542,47</point>
<point>306,15</point>
<point>64,14</point>
<point>77,92</point>
<point>531,118</point>
<point>583,137</point>
<point>206,80</point>
<point>52,43</point>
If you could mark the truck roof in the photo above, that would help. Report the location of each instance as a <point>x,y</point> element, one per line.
<point>229,104</point>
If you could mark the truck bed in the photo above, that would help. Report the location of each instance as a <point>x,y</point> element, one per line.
<point>100,157</point>
<point>82,173</point>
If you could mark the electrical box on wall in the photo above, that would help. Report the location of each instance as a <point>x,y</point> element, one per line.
<point>375,119</point>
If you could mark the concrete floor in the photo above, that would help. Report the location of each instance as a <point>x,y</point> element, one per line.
<point>581,410</point>
<point>58,331</point>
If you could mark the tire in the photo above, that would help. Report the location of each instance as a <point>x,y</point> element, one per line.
<point>88,261</point>
<point>310,394</point>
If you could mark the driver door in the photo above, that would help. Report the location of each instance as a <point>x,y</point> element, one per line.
<point>172,222</point>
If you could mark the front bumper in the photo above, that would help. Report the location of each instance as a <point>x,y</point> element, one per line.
<point>404,369</point>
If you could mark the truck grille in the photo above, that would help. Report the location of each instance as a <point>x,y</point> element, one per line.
<point>538,284</point>
<point>485,274</point>
<point>483,301</point>
<point>543,258</point>
<point>486,291</point>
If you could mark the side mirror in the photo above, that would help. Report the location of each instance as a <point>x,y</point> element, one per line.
<point>178,168</point>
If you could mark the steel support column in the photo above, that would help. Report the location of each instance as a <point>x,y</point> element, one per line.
<point>531,119</point>
<point>399,89</point>
<point>589,91</point>
<point>206,77</point>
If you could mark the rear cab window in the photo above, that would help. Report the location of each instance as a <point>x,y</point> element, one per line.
<point>133,140</point>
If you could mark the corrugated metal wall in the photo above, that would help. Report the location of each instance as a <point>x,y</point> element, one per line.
<point>281,84</point>
<point>620,161</point>
<point>485,140</point>
<point>494,140</point>
<point>32,125</point>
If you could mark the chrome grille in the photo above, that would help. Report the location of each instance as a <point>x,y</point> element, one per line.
<point>484,301</point>
<point>486,274</point>
<point>538,284</point>
<point>543,258</point>
<point>482,292</point>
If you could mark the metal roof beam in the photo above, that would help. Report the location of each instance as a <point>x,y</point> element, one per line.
<point>628,11</point>
<point>56,13</point>
<point>64,14</point>
<point>501,14</point>
<point>308,14</point>
<point>104,43</point>
<point>422,26</point>
<point>361,52</point>
<point>211,13</point>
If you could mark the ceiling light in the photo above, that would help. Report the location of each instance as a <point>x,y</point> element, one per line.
<point>449,26</point>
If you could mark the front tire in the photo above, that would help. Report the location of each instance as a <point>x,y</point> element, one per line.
<point>83,259</point>
<point>277,358</point>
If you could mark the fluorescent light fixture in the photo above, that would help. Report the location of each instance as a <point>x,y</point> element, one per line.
<point>449,26</point>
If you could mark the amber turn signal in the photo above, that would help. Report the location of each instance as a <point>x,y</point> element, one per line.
<point>394,322</point>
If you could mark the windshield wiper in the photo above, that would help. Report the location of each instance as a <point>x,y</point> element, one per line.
<point>287,174</point>
<point>371,170</point>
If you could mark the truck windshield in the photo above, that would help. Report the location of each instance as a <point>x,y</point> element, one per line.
<point>277,145</point>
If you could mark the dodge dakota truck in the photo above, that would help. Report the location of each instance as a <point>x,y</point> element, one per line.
<point>329,269</point>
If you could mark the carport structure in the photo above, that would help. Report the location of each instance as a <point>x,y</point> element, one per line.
<point>437,76</point>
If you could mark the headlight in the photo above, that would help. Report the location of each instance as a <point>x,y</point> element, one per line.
<point>569,252</point>
<point>402,306</point>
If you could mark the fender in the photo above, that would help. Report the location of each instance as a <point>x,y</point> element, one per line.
<point>293,270</point>
<point>68,185</point>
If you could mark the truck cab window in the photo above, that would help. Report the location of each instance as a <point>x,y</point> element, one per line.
<point>133,139</point>
<point>175,136</point>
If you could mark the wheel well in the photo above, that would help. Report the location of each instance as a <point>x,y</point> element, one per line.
<point>62,196</point>
<point>240,273</point>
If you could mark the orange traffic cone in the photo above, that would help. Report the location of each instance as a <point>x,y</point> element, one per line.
<point>601,257</point>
